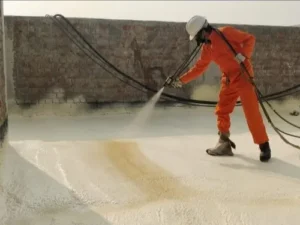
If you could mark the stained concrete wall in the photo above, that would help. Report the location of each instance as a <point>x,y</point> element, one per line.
<point>44,66</point>
<point>3,103</point>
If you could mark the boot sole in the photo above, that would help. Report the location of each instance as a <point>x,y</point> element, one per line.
<point>208,151</point>
<point>265,158</point>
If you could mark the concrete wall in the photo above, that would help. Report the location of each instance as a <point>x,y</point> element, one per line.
<point>44,66</point>
<point>3,103</point>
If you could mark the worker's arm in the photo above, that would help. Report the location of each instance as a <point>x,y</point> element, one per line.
<point>244,38</point>
<point>198,69</point>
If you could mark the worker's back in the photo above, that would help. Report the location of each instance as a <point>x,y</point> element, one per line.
<point>221,53</point>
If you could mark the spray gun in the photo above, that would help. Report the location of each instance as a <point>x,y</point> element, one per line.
<point>173,82</point>
<point>168,81</point>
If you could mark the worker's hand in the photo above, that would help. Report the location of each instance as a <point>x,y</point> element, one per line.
<point>176,83</point>
<point>240,58</point>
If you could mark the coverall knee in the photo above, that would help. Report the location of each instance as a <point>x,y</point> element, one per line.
<point>239,86</point>
<point>227,99</point>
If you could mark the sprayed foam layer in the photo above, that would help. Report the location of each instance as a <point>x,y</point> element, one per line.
<point>161,180</point>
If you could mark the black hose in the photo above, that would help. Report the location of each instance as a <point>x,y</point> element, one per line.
<point>182,100</point>
<point>179,99</point>
<point>185,64</point>
<point>80,47</point>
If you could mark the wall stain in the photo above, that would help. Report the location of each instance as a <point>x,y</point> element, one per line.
<point>154,76</point>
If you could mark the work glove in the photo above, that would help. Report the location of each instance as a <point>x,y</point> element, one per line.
<point>240,58</point>
<point>175,83</point>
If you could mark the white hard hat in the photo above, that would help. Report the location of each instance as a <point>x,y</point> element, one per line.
<point>194,25</point>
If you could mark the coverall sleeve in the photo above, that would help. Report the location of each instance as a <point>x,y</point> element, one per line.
<point>247,39</point>
<point>200,66</point>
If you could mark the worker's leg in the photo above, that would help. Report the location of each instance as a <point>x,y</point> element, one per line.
<point>227,99</point>
<point>253,116</point>
<point>251,110</point>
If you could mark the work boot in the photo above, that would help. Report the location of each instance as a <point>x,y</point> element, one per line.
<point>223,147</point>
<point>265,152</point>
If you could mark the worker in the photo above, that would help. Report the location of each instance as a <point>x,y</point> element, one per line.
<point>234,83</point>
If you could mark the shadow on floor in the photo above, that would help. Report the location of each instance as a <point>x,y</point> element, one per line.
<point>275,165</point>
<point>33,197</point>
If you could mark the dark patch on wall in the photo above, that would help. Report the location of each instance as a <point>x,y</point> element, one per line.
<point>3,131</point>
<point>3,109</point>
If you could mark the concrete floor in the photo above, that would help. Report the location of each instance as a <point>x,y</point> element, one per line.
<point>87,170</point>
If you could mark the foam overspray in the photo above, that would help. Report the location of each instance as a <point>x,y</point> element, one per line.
<point>143,115</point>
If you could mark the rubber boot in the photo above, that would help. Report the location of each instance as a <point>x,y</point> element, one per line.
<point>265,152</point>
<point>223,147</point>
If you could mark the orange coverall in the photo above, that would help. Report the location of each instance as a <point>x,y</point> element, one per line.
<point>238,86</point>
